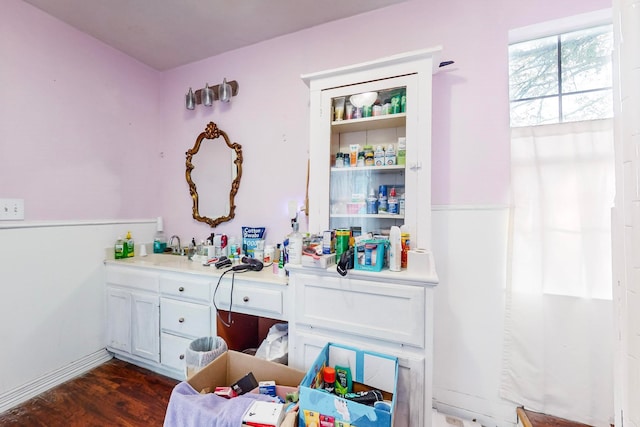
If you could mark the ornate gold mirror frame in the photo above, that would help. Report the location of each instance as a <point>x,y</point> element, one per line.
<point>212,132</point>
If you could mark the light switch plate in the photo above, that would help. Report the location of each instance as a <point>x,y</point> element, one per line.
<point>11,209</point>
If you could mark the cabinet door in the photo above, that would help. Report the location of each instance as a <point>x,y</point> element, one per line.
<point>249,298</point>
<point>118,319</point>
<point>341,192</point>
<point>367,308</point>
<point>185,318</point>
<point>174,349</point>
<point>145,326</point>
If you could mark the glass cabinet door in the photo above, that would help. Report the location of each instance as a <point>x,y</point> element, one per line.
<point>368,155</point>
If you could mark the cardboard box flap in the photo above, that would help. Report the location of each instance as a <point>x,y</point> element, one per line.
<point>374,369</point>
<point>230,366</point>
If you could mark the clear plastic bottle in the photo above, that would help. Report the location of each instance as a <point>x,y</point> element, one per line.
<point>395,249</point>
<point>295,246</point>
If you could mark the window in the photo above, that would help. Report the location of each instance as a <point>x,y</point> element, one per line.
<point>561,78</point>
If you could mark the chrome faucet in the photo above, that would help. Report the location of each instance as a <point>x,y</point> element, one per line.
<point>175,250</point>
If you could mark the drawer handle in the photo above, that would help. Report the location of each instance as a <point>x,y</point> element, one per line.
<point>181,289</point>
<point>181,356</point>
<point>245,299</point>
<point>181,320</point>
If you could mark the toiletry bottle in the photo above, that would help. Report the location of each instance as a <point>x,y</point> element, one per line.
<point>130,245</point>
<point>390,155</point>
<point>395,249</point>
<point>402,151</point>
<point>329,377</point>
<point>159,239</point>
<point>392,202</point>
<point>372,202</point>
<point>383,203</point>
<point>378,156</point>
<point>295,246</point>
<point>119,248</point>
<point>125,248</point>
<point>405,239</point>
<point>281,270</point>
<point>276,259</point>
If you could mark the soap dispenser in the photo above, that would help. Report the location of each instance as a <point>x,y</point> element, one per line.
<point>159,239</point>
<point>130,245</point>
<point>119,248</point>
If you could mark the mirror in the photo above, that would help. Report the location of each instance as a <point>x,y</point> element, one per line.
<point>216,170</point>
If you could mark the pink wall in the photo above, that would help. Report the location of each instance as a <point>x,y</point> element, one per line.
<point>270,115</point>
<point>78,122</point>
<point>86,132</point>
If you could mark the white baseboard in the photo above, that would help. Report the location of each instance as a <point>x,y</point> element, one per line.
<point>489,413</point>
<point>21,394</point>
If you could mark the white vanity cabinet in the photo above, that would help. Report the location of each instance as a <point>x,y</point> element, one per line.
<point>390,312</point>
<point>185,307</point>
<point>157,305</point>
<point>133,328</point>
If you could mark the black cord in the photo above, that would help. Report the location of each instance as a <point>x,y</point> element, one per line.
<point>228,325</point>
<point>233,279</point>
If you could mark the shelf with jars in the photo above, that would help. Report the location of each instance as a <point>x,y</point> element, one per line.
<point>371,137</point>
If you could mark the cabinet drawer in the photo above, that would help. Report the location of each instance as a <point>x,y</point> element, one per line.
<point>386,311</point>
<point>198,290</point>
<point>173,351</point>
<point>185,318</point>
<point>142,280</point>
<point>250,299</point>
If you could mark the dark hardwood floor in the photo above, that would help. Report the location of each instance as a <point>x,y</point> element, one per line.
<point>113,394</point>
<point>536,419</point>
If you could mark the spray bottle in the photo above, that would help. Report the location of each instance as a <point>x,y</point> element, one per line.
<point>395,249</point>
<point>295,238</point>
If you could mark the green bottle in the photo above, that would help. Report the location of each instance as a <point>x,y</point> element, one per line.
<point>119,248</point>
<point>129,246</point>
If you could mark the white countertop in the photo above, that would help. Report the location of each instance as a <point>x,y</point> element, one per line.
<point>181,264</point>
<point>425,279</point>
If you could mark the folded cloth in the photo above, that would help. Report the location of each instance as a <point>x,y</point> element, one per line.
<point>188,408</point>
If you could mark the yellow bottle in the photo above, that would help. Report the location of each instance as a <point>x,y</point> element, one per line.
<point>130,245</point>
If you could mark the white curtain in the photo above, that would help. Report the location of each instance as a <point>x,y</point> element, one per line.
<point>558,345</point>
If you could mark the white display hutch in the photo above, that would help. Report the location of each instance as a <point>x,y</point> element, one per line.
<point>389,312</point>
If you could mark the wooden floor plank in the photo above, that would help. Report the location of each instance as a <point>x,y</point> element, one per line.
<point>537,419</point>
<point>113,394</point>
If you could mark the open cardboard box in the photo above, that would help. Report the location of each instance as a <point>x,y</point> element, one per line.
<point>231,365</point>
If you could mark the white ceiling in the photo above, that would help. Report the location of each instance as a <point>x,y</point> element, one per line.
<point>168,33</point>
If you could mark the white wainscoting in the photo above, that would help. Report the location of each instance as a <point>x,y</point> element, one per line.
<point>470,250</point>
<point>52,309</point>
<point>52,276</point>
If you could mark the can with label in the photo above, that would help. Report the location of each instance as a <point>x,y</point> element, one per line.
<point>406,245</point>
<point>342,241</point>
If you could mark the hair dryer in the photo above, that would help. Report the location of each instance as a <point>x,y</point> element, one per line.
<point>248,264</point>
